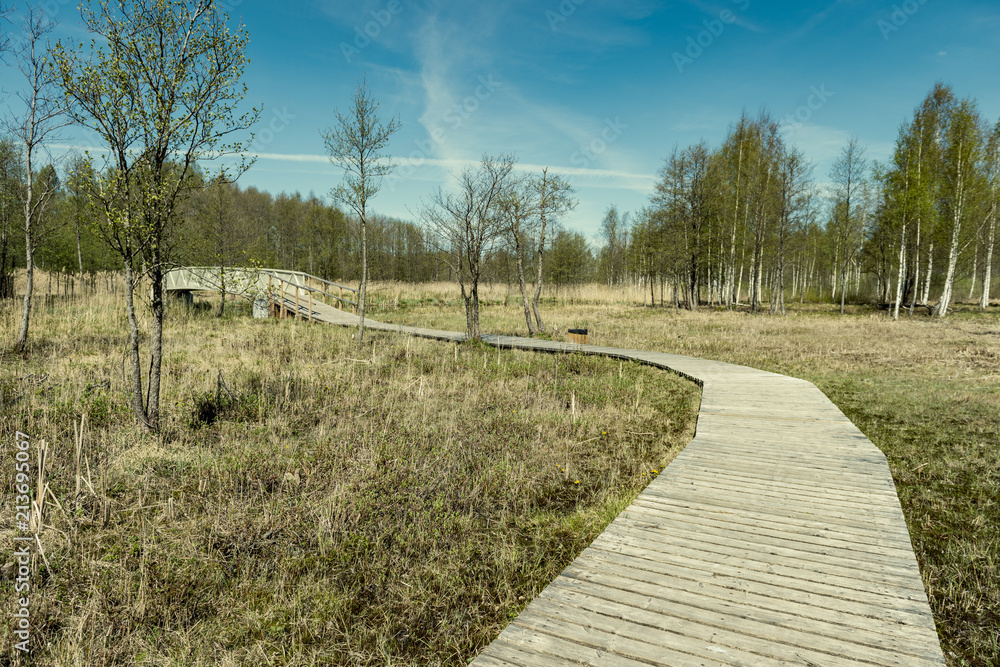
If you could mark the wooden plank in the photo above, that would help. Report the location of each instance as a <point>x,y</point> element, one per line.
<point>821,540</point>
<point>612,648</point>
<point>843,484</point>
<point>741,631</point>
<point>863,621</point>
<point>762,624</point>
<point>725,643</point>
<point>653,640</point>
<point>686,491</point>
<point>533,637</point>
<point>819,594</point>
<point>747,516</point>
<point>502,652</point>
<point>794,491</point>
<point>788,561</point>
<point>897,573</point>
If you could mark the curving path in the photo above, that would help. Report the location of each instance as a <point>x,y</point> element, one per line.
<point>774,538</point>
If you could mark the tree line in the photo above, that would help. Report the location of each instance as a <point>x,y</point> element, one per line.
<point>745,222</point>
<point>225,224</point>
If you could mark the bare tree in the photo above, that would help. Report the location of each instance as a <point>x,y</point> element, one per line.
<point>44,114</point>
<point>795,210</point>
<point>5,38</point>
<point>466,225</point>
<point>554,198</point>
<point>848,174</point>
<point>518,207</point>
<point>355,145</point>
<point>160,84</point>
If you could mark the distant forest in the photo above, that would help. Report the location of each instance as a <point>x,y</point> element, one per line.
<point>742,222</point>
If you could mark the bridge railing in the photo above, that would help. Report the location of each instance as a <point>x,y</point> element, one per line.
<point>261,283</point>
<point>292,295</point>
<point>309,282</point>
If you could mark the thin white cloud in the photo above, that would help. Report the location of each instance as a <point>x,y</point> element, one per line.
<point>738,15</point>
<point>815,20</point>
<point>450,164</point>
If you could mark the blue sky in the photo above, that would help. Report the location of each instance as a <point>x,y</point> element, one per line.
<point>598,91</point>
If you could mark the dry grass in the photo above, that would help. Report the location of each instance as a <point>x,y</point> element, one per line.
<point>924,390</point>
<point>323,504</point>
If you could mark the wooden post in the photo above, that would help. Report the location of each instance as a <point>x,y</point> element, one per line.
<point>296,301</point>
<point>340,301</point>
<point>310,306</point>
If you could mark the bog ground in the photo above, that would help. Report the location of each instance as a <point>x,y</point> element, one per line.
<point>390,505</point>
<point>398,504</point>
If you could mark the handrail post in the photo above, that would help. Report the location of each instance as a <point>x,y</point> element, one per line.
<point>282,308</point>
<point>296,301</point>
<point>310,306</point>
<point>270,296</point>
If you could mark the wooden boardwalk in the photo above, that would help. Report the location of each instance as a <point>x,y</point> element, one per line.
<point>775,538</point>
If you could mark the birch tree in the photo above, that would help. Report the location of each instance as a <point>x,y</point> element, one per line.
<point>739,153</point>
<point>849,176</point>
<point>161,85</point>
<point>43,115</point>
<point>614,228</point>
<point>685,196</point>
<point>762,197</point>
<point>993,194</point>
<point>518,208</point>
<point>220,243</point>
<point>80,181</point>
<point>795,211</point>
<point>355,144</point>
<point>899,199</point>
<point>961,164</point>
<point>554,198</point>
<point>931,123</point>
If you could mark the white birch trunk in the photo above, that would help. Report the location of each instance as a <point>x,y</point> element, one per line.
<point>984,299</point>
<point>902,273</point>
<point>927,278</point>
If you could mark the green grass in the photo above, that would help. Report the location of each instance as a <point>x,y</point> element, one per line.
<point>393,504</point>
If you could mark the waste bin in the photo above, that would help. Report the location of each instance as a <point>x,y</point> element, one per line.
<point>578,336</point>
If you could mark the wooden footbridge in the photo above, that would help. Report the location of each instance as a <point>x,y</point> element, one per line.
<point>775,538</point>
